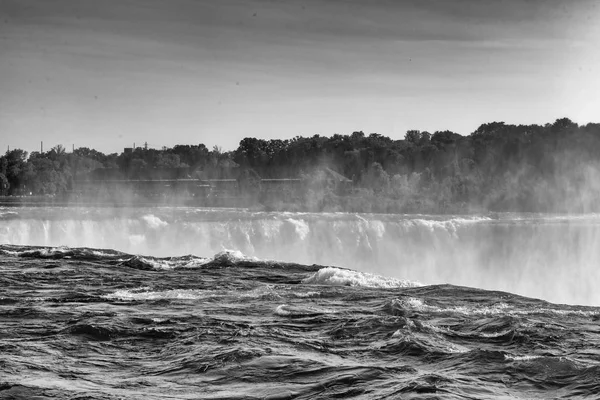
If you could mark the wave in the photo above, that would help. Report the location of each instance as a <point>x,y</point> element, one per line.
<point>528,357</point>
<point>345,277</point>
<point>142,294</point>
<point>222,258</point>
<point>60,252</point>
<point>286,310</point>
<point>263,292</point>
<point>401,305</point>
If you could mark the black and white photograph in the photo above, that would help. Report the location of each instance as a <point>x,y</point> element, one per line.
<point>299,199</point>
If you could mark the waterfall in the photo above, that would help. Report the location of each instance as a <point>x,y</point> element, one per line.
<point>547,256</point>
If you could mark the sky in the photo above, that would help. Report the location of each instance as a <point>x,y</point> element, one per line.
<point>111,73</point>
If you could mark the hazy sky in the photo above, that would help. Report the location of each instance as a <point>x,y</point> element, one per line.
<point>105,74</point>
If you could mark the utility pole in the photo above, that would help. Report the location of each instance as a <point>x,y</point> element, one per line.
<point>41,147</point>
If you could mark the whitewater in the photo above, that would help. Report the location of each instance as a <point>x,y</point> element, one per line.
<point>169,303</point>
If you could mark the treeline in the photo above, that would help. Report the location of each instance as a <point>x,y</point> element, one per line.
<point>55,172</point>
<point>498,167</point>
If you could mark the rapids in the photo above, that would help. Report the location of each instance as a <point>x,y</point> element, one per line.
<point>552,257</point>
<point>85,323</point>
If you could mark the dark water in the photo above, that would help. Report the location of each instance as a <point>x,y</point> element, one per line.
<point>88,324</point>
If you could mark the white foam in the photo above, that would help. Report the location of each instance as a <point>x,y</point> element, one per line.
<point>306,294</point>
<point>144,293</point>
<point>168,264</point>
<point>282,310</point>
<point>176,294</point>
<point>301,227</point>
<point>287,310</point>
<point>411,303</point>
<point>100,253</point>
<point>471,219</point>
<point>343,277</point>
<point>153,221</point>
<point>494,309</point>
<point>223,257</point>
<point>232,256</point>
<point>435,329</point>
<point>45,251</point>
<point>418,305</point>
<point>13,253</point>
<point>450,225</point>
<point>520,358</point>
<point>579,313</point>
<point>157,263</point>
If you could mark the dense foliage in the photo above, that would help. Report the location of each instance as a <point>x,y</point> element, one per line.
<point>501,167</point>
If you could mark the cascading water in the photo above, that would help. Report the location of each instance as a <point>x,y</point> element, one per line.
<point>147,304</point>
<point>547,256</point>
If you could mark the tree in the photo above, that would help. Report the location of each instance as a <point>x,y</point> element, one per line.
<point>377,179</point>
<point>16,171</point>
<point>413,136</point>
<point>137,168</point>
<point>489,129</point>
<point>563,125</point>
<point>166,160</point>
<point>442,139</point>
<point>4,185</point>
<point>59,150</point>
<point>425,138</point>
<point>3,165</point>
<point>48,179</point>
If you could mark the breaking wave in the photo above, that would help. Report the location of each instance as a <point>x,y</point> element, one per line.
<point>345,277</point>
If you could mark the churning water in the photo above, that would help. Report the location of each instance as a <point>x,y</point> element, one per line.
<point>196,303</point>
